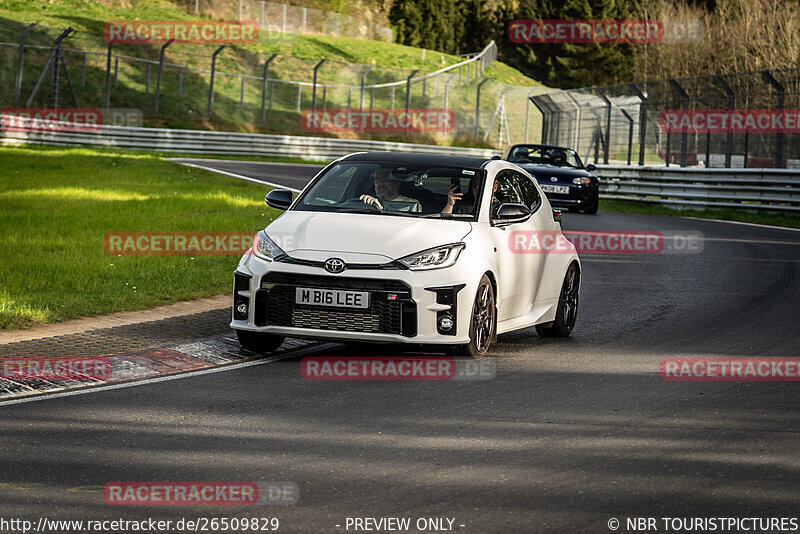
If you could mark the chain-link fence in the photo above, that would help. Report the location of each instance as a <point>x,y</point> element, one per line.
<point>276,18</point>
<point>714,121</point>
<point>242,88</point>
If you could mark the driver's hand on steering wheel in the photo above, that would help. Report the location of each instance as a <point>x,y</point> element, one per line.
<point>367,199</point>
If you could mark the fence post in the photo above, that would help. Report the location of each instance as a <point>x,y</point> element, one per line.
<point>392,98</point>
<point>642,120</point>
<point>408,95</point>
<point>770,79</point>
<point>241,94</point>
<point>607,144</point>
<point>264,84</point>
<point>578,121</point>
<point>160,69</point>
<point>147,80</point>
<point>299,96</point>
<point>371,98</point>
<point>478,107</point>
<point>630,133</point>
<point>180,81</point>
<point>314,91</point>
<point>261,16</point>
<point>116,71</point>
<point>108,75</point>
<point>211,85</point>
<point>717,79</point>
<point>363,81</point>
<point>83,69</point>
<point>283,19</point>
<point>54,58</point>
<point>305,16</point>
<point>239,12</point>
<point>324,97</point>
<point>685,106</point>
<point>544,113</point>
<point>527,117</point>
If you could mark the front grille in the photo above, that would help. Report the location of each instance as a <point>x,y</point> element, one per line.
<point>336,320</point>
<point>275,302</point>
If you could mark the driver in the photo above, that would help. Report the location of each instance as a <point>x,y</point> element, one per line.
<point>387,188</point>
<point>558,158</point>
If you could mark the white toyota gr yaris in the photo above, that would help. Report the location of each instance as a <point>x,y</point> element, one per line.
<point>408,248</point>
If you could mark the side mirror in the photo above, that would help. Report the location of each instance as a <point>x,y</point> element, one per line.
<point>556,215</point>
<point>512,212</point>
<point>279,199</point>
<point>590,167</point>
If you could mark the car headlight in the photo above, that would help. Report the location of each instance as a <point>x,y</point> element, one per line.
<point>265,248</point>
<point>433,258</point>
<point>581,181</point>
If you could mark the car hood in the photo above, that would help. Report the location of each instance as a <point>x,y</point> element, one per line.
<point>360,238</point>
<point>545,172</point>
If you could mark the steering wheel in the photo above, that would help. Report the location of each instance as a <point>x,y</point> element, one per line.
<point>357,203</point>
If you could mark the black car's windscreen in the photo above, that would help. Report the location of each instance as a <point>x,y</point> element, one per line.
<point>400,188</point>
<point>541,155</point>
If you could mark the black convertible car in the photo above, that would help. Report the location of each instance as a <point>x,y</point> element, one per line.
<point>560,172</point>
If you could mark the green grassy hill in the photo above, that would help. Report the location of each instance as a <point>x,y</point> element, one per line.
<point>183,98</point>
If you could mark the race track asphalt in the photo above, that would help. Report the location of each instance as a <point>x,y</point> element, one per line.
<point>569,433</point>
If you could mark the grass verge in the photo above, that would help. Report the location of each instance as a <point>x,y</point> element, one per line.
<point>58,204</point>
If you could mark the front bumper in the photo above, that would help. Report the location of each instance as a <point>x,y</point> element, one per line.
<point>405,306</point>
<point>578,197</point>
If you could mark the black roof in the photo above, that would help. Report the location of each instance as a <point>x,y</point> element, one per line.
<point>421,159</point>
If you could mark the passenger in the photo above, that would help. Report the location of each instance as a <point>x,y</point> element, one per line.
<point>387,189</point>
<point>459,202</point>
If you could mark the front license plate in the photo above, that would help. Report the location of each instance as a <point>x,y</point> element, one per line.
<point>332,297</point>
<point>559,189</point>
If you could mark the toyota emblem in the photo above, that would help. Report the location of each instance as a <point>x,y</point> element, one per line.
<point>334,265</point>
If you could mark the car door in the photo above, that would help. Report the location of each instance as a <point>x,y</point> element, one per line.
<point>517,272</point>
<point>531,260</point>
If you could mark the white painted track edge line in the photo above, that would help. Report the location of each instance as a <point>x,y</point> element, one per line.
<point>241,177</point>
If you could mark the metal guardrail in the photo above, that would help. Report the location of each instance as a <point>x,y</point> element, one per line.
<point>211,142</point>
<point>764,189</point>
<point>755,189</point>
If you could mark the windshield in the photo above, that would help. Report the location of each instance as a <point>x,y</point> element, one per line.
<point>396,188</point>
<point>541,155</point>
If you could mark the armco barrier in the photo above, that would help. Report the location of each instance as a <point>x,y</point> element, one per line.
<point>762,189</point>
<point>765,189</point>
<point>210,142</point>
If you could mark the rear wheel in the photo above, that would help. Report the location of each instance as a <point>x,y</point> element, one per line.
<point>259,342</point>
<point>567,311</point>
<point>482,324</point>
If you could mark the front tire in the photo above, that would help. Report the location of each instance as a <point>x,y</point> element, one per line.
<point>482,326</point>
<point>567,311</point>
<point>259,342</point>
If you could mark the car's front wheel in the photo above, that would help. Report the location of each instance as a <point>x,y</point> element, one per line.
<point>482,323</point>
<point>567,307</point>
<point>259,342</point>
